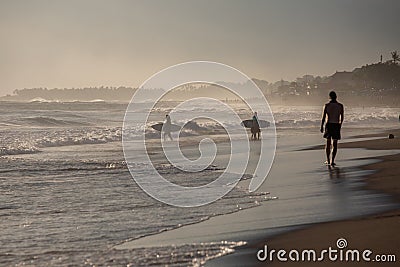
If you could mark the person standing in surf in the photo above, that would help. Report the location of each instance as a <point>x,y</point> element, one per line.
<point>167,127</point>
<point>335,113</point>
<point>255,128</point>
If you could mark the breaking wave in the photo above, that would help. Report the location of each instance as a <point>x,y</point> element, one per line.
<point>51,122</point>
<point>28,142</point>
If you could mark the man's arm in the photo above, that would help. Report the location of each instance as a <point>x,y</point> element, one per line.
<point>323,120</point>
<point>342,115</point>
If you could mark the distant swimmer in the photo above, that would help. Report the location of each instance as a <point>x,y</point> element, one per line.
<point>255,128</point>
<point>167,127</point>
<point>335,113</point>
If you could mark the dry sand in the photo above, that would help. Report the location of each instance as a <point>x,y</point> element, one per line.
<point>379,233</point>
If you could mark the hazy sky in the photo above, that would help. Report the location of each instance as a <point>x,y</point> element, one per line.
<point>92,43</point>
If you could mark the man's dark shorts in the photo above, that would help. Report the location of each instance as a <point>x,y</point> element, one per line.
<point>332,130</point>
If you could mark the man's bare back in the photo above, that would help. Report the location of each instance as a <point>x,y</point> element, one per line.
<point>334,111</point>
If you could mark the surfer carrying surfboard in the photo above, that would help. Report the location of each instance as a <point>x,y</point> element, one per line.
<point>255,128</point>
<point>255,125</point>
<point>335,113</point>
<point>167,127</point>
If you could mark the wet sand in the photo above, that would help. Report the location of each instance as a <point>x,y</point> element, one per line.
<point>379,233</point>
<point>306,195</point>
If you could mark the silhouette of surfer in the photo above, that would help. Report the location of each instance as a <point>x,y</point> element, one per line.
<point>255,128</point>
<point>167,127</point>
<point>335,113</point>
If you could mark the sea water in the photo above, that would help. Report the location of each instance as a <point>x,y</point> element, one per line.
<point>67,197</point>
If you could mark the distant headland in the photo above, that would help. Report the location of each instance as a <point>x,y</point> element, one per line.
<point>376,83</point>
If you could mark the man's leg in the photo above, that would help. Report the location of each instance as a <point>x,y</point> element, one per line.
<point>334,151</point>
<point>328,150</point>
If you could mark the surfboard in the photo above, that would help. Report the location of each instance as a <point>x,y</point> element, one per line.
<point>158,127</point>
<point>249,123</point>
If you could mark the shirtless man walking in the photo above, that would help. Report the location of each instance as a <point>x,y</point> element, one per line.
<point>335,112</point>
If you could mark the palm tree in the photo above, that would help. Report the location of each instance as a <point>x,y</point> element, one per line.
<point>395,57</point>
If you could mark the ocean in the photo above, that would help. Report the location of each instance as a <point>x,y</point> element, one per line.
<point>67,197</point>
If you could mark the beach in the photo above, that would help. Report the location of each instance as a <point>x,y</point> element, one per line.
<point>68,197</point>
<point>307,193</point>
<point>192,133</point>
<point>378,232</point>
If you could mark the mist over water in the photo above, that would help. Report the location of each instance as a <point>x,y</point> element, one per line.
<point>30,127</point>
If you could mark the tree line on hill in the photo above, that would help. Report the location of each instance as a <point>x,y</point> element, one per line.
<point>381,79</point>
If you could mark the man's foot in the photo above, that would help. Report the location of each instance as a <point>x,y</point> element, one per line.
<point>333,164</point>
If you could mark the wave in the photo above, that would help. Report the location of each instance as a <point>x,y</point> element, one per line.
<point>28,142</point>
<point>42,100</point>
<point>39,100</point>
<point>6,151</point>
<point>23,135</point>
<point>51,122</point>
<point>9,124</point>
<point>365,120</point>
<point>86,101</point>
<point>97,101</point>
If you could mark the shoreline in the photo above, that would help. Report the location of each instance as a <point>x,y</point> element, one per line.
<point>377,232</point>
<point>254,225</point>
